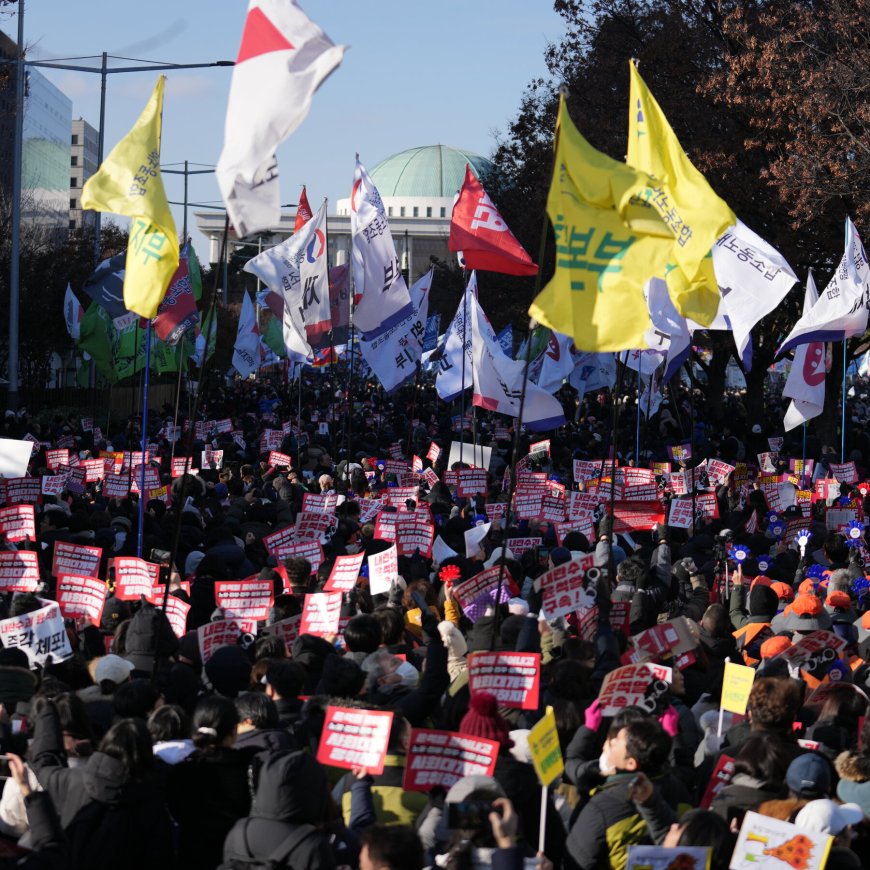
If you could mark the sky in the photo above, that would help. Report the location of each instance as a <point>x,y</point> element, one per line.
<point>416,73</point>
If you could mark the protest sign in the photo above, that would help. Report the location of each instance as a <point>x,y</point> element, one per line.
<point>315,526</point>
<point>721,776</point>
<point>413,536</point>
<point>633,686</point>
<point>664,858</point>
<point>278,539</point>
<point>279,460</point>
<point>244,599</point>
<point>586,470</point>
<point>545,750</point>
<point>569,587</point>
<point>766,843</point>
<point>470,454</point>
<point>76,559</point>
<point>513,677</point>
<point>518,546</point>
<point>19,571</point>
<point>355,738</point>
<point>636,516</point>
<point>18,522</point>
<point>176,613</point>
<point>439,759</point>
<point>95,470</point>
<point>736,686</point>
<point>55,458</point>
<point>844,472</point>
<point>40,634</point>
<point>53,484</point>
<point>475,594</point>
<point>116,486</point>
<point>182,465</point>
<point>383,569</point>
<point>320,613</point>
<point>134,577</point>
<point>23,490</point>
<point>474,540</point>
<point>323,502</point>
<point>680,452</point>
<point>470,481</point>
<point>287,629</point>
<point>81,597</point>
<point>213,459</point>
<point>221,632</point>
<point>666,639</point>
<point>814,652</point>
<point>344,573</point>
<point>310,550</point>
<point>14,457</point>
<point>433,452</point>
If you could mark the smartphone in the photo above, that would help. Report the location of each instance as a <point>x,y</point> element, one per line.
<point>161,557</point>
<point>469,815</point>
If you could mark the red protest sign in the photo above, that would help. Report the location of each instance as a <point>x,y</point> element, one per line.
<point>277,540</point>
<point>569,587</point>
<point>473,589</point>
<point>668,638</point>
<point>513,677</point>
<point>286,629</point>
<point>414,536</point>
<point>633,686</point>
<point>344,573</point>
<point>355,738</point>
<point>182,465</point>
<point>721,776</point>
<point>56,458</point>
<point>23,490</point>
<point>319,502</point>
<point>244,599</point>
<point>134,577</point>
<point>95,470</point>
<point>19,571</point>
<point>518,546</point>
<point>222,632</point>
<point>320,613</point>
<point>18,522</point>
<point>76,559</point>
<point>310,550</point>
<point>470,481</point>
<point>636,516</point>
<point>441,758</point>
<point>279,460</point>
<point>116,486</point>
<point>81,597</point>
<point>433,453</point>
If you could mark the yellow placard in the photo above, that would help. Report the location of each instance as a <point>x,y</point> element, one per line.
<point>736,686</point>
<point>545,750</point>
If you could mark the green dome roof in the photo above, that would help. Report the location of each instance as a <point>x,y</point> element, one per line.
<point>431,170</point>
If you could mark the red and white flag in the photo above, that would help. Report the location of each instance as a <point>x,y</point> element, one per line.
<point>283,59</point>
<point>806,380</point>
<point>303,211</point>
<point>480,232</point>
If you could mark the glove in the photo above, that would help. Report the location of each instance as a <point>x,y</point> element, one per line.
<point>670,721</point>
<point>605,527</point>
<point>429,625</point>
<point>593,716</point>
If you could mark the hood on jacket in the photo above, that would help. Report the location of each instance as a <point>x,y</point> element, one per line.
<point>292,787</point>
<point>105,779</point>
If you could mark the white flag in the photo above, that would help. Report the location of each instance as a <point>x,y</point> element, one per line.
<point>283,59</point>
<point>558,362</point>
<point>644,361</point>
<point>395,356</point>
<point>246,350</point>
<point>651,397</point>
<point>841,311</point>
<point>297,271</point>
<point>73,313</point>
<point>753,278</point>
<point>806,380</point>
<point>669,322</point>
<point>498,380</point>
<point>377,272</point>
<point>593,371</point>
<point>449,381</point>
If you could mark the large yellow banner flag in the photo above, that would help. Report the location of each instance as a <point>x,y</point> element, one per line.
<point>129,183</point>
<point>695,214</point>
<point>602,260</point>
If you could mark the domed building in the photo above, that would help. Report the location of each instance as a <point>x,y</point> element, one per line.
<point>418,187</point>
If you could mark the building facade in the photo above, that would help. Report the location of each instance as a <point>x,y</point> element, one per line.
<point>84,148</point>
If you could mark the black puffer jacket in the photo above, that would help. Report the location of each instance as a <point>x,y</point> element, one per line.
<point>109,820</point>
<point>292,796</point>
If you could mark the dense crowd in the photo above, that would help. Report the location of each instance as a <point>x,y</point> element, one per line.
<point>146,747</point>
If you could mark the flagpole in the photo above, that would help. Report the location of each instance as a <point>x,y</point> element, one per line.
<point>180,362</point>
<point>804,458</point>
<point>843,413</point>
<point>637,434</point>
<point>142,465</point>
<point>348,391</point>
<point>462,382</point>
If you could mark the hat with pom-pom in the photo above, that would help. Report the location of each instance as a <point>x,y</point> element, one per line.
<point>484,720</point>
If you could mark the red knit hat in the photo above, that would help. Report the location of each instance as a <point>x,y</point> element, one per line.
<point>484,720</point>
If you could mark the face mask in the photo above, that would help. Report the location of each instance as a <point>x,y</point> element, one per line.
<point>604,763</point>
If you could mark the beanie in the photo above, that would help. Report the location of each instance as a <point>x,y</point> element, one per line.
<point>484,720</point>
<point>774,646</point>
<point>763,602</point>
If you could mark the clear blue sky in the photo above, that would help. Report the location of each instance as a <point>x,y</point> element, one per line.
<point>416,73</point>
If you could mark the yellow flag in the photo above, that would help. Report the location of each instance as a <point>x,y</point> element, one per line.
<point>603,257</point>
<point>695,214</point>
<point>129,183</point>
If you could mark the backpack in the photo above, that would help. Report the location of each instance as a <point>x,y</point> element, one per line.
<point>277,858</point>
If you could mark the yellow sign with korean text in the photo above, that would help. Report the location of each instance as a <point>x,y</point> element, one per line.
<point>545,750</point>
<point>736,686</point>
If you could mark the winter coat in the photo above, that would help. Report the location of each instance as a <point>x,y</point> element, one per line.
<point>292,793</point>
<point>109,820</point>
<point>742,794</point>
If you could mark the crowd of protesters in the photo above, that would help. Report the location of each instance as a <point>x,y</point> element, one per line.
<point>133,753</point>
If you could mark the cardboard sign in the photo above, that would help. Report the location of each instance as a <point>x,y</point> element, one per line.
<point>18,522</point>
<point>279,460</point>
<point>222,632</point>
<point>662,858</point>
<point>345,573</point>
<point>474,595</point>
<point>569,587</point>
<point>666,639</point>
<point>545,750</point>
<point>76,559</point>
<point>81,597</point>
<point>19,571</point>
<point>413,536</point>
<point>439,759</point>
<point>355,738</point>
<point>23,490</point>
<point>634,686</point>
<point>244,599</point>
<point>471,481</point>
<point>320,613</point>
<point>310,550</point>
<point>55,458</point>
<point>287,629</point>
<point>736,686</point>
<point>383,569</point>
<point>765,843</point>
<point>844,472</point>
<point>512,677</point>
<point>134,577</point>
<point>41,634</point>
<point>53,484</point>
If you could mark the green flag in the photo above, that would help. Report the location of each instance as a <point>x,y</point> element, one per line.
<point>194,272</point>
<point>96,338</point>
<point>273,337</point>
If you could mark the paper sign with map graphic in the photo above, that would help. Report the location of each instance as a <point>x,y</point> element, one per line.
<point>770,844</point>
<point>662,858</point>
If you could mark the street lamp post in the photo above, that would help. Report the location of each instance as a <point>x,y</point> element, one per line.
<point>14,267</point>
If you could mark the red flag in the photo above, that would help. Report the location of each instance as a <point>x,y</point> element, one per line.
<point>303,211</point>
<point>479,231</point>
<point>177,312</point>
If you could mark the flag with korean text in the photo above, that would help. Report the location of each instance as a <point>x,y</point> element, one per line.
<point>805,385</point>
<point>246,350</point>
